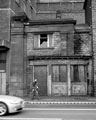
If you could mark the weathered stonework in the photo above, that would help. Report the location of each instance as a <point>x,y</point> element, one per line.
<point>63,40</point>
<point>94,40</point>
<point>20,69</point>
<point>83,44</point>
<point>17,61</point>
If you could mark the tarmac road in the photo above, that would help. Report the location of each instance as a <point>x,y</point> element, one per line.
<point>54,112</point>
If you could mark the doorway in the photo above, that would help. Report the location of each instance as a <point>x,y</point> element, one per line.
<point>40,73</point>
<point>79,79</point>
<point>59,80</point>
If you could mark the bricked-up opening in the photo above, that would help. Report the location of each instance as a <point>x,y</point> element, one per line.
<point>43,40</point>
<point>82,44</point>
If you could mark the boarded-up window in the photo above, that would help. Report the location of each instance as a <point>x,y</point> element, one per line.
<point>78,73</point>
<point>43,40</point>
<point>59,73</point>
<point>55,73</point>
<point>63,74</point>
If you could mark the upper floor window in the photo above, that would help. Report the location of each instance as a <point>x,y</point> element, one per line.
<point>43,40</point>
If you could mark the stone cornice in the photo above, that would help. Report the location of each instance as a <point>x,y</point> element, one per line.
<point>51,21</point>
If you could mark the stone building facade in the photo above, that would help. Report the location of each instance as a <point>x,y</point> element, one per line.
<point>59,57</point>
<point>52,41</point>
<point>9,45</point>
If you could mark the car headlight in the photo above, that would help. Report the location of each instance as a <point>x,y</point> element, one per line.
<point>15,102</point>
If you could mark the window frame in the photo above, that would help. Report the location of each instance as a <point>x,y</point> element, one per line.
<point>73,80</point>
<point>59,73</point>
<point>39,39</point>
<point>48,39</point>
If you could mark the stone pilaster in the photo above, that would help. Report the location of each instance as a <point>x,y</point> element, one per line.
<point>94,40</point>
<point>17,60</point>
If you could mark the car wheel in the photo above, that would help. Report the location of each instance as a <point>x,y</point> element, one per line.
<point>3,108</point>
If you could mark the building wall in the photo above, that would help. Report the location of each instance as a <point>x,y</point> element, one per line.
<point>69,9</point>
<point>94,39</point>
<point>21,47</point>
<point>4,25</point>
<point>63,46</point>
<point>80,17</point>
<point>5,36</point>
<point>4,3</point>
<point>22,6</point>
<point>64,41</point>
<point>16,60</point>
<point>59,47</point>
<point>9,31</point>
<point>88,12</point>
<point>4,20</point>
<point>17,69</point>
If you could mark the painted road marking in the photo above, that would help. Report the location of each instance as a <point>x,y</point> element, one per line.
<point>75,102</point>
<point>56,109</point>
<point>30,118</point>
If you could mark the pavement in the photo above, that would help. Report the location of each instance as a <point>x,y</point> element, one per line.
<point>61,100</point>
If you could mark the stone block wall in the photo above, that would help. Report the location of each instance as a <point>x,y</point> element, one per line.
<point>4,3</point>
<point>69,9</point>
<point>65,44</point>
<point>22,6</point>
<point>17,60</point>
<point>59,47</point>
<point>94,40</point>
<point>66,6</point>
<point>4,25</point>
<point>80,17</point>
<point>88,12</point>
<point>82,44</point>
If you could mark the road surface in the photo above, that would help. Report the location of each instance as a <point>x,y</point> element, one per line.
<point>54,112</point>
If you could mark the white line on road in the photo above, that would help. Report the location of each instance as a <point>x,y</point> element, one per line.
<point>56,109</point>
<point>30,118</point>
<point>75,102</point>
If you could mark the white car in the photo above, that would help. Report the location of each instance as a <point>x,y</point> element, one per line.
<point>10,104</point>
